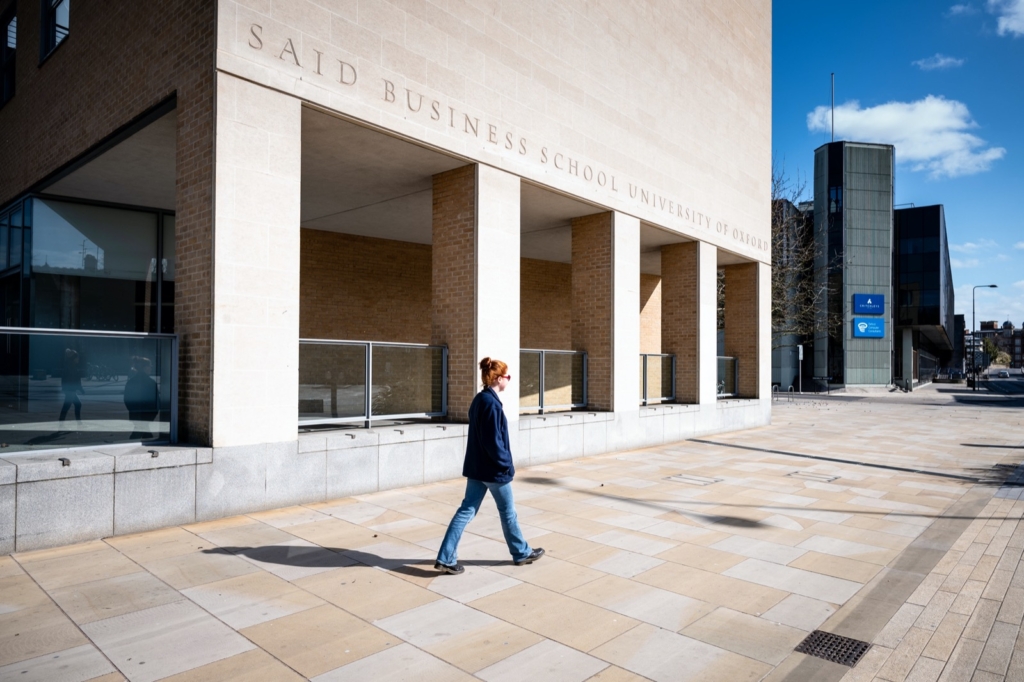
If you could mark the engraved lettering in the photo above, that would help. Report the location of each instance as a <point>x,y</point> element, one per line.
<point>543,154</point>
<point>558,155</point>
<point>588,173</point>
<point>522,146</point>
<point>508,141</point>
<point>389,91</point>
<point>318,55</point>
<point>492,133</point>
<point>466,125</point>
<point>632,191</point>
<point>289,49</point>
<point>573,167</point>
<point>435,111</point>
<point>408,100</point>
<point>352,70</point>
<point>602,179</point>
<point>257,36</point>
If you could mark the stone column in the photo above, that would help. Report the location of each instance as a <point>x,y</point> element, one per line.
<point>256,255</point>
<point>475,279</point>
<point>606,307</point>
<point>743,325</point>
<point>688,318</point>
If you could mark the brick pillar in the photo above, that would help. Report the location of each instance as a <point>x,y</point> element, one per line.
<point>475,279</point>
<point>256,279</point>
<point>688,325</point>
<point>606,307</point>
<point>742,324</point>
<point>193,294</point>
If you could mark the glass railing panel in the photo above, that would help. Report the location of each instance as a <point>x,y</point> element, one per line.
<point>727,376</point>
<point>332,380</point>
<point>579,379</point>
<point>407,380</point>
<point>529,382</point>
<point>69,389</point>
<point>558,380</point>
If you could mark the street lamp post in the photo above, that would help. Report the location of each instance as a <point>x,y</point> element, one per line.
<point>974,335</point>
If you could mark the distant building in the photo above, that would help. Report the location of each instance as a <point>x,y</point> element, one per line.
<point>887,271</point>
<point>923,280</point>
<point>853,221</point>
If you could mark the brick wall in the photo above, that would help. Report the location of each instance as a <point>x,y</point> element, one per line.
<point>741,332</point>
<point>453,283</point>
<point>364,289</point>
<point>680,321</point>
<point>650,313</point>
<point>121,59</point>
<point>545,305</point>
<point>592,303</point>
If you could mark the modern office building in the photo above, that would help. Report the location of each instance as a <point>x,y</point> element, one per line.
<point>853,229</point>
<point>241,232</point>
<point>887,274</point>
<point>923,281</point>
<point>959,361</point>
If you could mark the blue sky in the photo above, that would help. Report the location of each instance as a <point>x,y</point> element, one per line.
<point>944,82</point>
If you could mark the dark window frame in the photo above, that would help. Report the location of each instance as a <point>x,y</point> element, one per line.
<point>50,37</point>
<point>8,60</point>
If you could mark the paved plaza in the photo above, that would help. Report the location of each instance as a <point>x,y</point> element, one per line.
<point>891,519</point>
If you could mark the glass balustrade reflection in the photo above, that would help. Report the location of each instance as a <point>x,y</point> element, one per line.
<point>529,383</point>
<point>67,389</point>
<point>728,376</point>
<point>406,380</point>
<point>332,381</point>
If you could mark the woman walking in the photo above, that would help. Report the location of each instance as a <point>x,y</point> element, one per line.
<point>488,467</point>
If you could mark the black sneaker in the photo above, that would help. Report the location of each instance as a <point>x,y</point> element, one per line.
<point>534,555</point>
<point>454,569</point>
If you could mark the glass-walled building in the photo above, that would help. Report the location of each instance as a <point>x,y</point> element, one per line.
<point>923,312</point>
<point>88,299</point>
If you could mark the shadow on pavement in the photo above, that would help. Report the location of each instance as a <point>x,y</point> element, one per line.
<point>339,557</point>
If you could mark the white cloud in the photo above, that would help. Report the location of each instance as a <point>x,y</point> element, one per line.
<point>961,264</point>
<point>1010,14</point>
<point>1019,285</point>
<point>931,133</point>
<point>1019,245</point>
<point>939,61</point>
<point>956,10</point>
<point>973,247</point>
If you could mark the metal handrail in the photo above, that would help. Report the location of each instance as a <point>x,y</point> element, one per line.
<point>172,379</point>
<point>541,407</point>
<point>367,416</point>
<point>645,398</point>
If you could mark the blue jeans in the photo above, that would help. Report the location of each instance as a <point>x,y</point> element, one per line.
<point>475,491</point>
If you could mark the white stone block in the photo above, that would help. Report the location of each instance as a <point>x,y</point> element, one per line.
<point>156,498</point>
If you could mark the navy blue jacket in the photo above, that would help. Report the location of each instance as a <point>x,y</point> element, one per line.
<point>488,456</point>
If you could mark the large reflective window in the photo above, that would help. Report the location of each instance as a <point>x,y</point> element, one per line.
<point>168,262</point>
<point>93,267</point>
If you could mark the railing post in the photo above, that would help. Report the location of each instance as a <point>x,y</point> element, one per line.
<point>444,381</point>
<point>174,390</point>
<point>540,384</point>
<point>586,374</point>
<point>644,357</point>
<point>673,378</point>
<point>368,394</point>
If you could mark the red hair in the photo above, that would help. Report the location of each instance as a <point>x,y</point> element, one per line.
<point>491,371</point>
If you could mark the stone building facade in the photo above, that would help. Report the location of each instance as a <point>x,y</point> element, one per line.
<point>486,177</point>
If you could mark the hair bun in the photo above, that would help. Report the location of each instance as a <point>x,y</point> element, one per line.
<point>485,364</point>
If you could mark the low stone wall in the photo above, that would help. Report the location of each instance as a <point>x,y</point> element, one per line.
<point>108,491</point>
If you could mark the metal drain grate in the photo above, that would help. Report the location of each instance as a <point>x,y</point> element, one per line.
<point>693,480</point>
<point>812,476</point>
<point>835,648</point>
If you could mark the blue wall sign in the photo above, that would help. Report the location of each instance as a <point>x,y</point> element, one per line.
<point>868,328</point>
<point>869,304</point>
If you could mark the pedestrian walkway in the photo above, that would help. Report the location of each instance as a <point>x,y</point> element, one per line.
<point>709,559</point>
